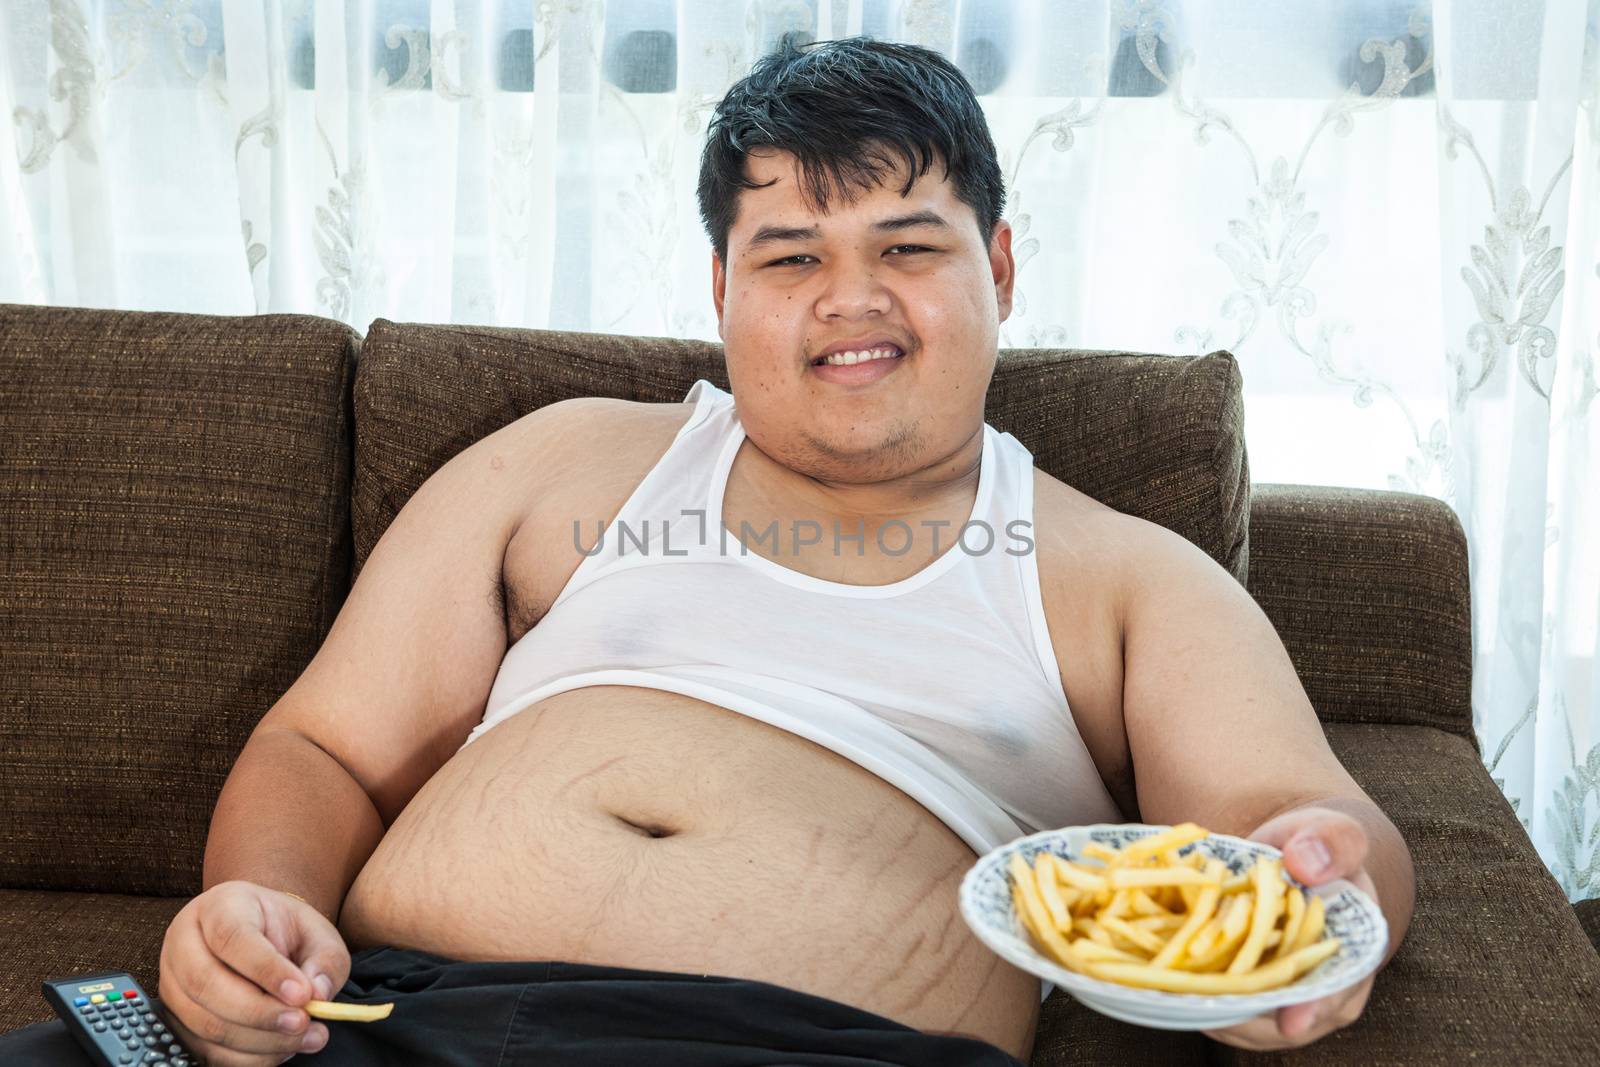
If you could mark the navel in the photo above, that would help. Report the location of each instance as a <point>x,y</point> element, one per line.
<point>645,829</point>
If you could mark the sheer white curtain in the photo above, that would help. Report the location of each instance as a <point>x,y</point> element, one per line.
<point>1388,211</point>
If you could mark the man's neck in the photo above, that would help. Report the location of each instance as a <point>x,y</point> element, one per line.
<point>947,482</point>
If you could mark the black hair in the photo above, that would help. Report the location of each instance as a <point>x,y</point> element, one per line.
<point>838,105</point>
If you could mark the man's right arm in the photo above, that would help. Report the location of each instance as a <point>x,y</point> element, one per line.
<point>399,683</point>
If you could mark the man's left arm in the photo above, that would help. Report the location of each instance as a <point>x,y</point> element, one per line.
<point>1221,733</point>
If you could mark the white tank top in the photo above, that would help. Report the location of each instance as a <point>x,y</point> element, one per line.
<point>944,684</point>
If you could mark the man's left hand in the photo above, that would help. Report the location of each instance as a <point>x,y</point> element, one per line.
<point>1318,845</point>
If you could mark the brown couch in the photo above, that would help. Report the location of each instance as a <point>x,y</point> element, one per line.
<point>186,499</point>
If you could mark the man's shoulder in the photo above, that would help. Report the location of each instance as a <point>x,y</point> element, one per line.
<point>1066,519</point>
<point>591,448</point>
<point>1081,541</point>
<point>1127,557</point>
<point>568,434</point>
<point>597,415</point>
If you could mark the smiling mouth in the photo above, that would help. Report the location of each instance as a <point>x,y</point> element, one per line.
<point>886,352</point>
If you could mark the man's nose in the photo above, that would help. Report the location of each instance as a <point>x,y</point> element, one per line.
<point>853,290</point>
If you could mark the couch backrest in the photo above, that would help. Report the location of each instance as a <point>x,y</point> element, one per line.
<point>174,545</point>
<point>1161,437</point>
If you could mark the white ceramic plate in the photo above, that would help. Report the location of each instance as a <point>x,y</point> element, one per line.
<point>986,905</point>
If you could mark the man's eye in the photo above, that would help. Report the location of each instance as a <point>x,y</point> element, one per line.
<point>788,259</point>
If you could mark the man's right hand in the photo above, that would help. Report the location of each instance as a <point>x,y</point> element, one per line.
<point>237,968</point>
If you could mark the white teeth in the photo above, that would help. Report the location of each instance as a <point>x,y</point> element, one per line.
<point>845,359</point>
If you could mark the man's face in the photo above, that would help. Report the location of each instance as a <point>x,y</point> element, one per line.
<point>934,289</point>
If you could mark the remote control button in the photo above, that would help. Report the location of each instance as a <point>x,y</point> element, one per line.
<point>99,1028</point>
<point>131,994</point>
<point>78,1002</point>
<point>114,996</point>
<point>98,998</point>
<point>124,1058</point>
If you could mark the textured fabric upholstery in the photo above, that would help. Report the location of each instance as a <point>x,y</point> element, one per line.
<point>1589,915</point>
<point>1368,591</point>
<point>174,525</point>
<point>1161,437</point>
<point>54,934</point>
<point>1495,967</point>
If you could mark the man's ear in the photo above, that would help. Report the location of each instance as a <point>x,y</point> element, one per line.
<point>1003,267</point>
<point>719,289</point>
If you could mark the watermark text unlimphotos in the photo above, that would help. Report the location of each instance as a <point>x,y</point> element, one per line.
<point>893,538</point>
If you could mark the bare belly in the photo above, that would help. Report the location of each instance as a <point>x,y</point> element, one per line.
<point>640,828</point>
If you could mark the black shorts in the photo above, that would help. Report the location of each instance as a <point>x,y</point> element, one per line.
<point>551,1014</point>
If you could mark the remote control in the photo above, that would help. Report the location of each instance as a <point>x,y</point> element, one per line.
<point>114,1022</point>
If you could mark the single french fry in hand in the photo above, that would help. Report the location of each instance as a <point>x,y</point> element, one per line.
<point>358,1013</point>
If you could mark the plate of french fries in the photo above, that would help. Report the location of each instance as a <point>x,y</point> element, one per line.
<point>1170,927</point>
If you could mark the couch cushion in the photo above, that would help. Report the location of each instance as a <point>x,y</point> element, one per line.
<point>1495,967</point>
<point>53,935</point>
<point>1161,437</point>
<point>175,542</point>
<point>1589,915</point>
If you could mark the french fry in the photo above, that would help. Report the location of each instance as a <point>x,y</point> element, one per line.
<point>1076,877</point>
<point>1044,876</point>
<point>1089,951</point>
<point>1152,916</point>
<point>1157,843</point>
<point>1038,917</point>
<point>1280,972</point>
<point>1269,886</point>
<point>360,1013</point>
<point>1150,877</point>
<point>1144,904</point>
<point>1203,907</point>
<point>1149,942</point>
<point>1311,926</point>
<point>1291,920</point>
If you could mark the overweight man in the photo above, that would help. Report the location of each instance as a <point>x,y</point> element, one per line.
<point>665,733</point>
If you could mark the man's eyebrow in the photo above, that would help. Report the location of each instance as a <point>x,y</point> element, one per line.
<point>773,234</point>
